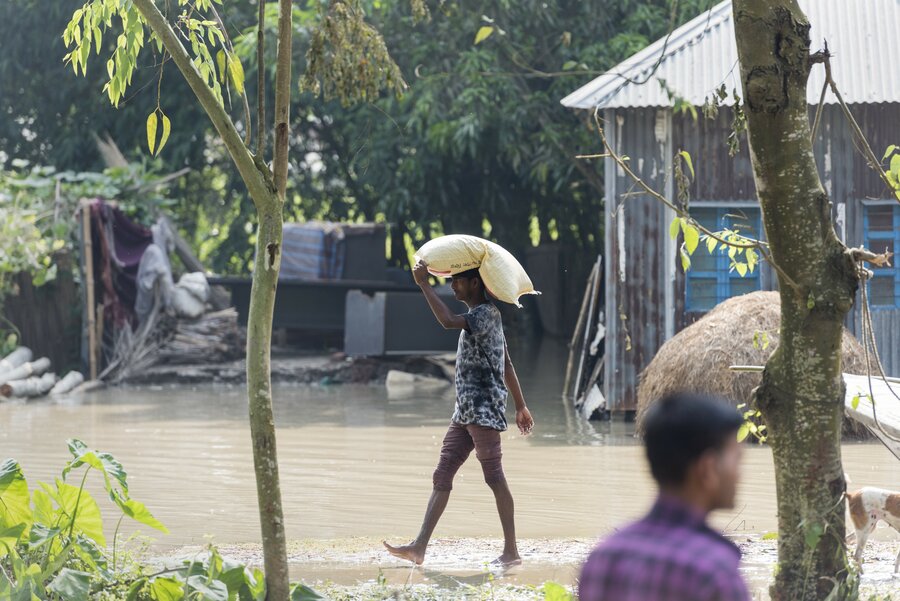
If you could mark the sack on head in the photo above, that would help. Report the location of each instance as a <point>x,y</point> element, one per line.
<point>503,276</point>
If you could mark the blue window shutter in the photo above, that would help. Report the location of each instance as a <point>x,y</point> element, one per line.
<point>714,282</point>
<point>881,230</point>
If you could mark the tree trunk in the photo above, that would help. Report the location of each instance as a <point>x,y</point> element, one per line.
<point>802,392</point>
<point>259,391</point>
<point>268,197</point>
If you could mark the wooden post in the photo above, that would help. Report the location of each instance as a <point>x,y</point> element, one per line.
<point>587,329</point>
<point>88,258</point>
<point>582,315</point>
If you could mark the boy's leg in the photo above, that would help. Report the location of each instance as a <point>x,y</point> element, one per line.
<point>455,450</point>
<point>487,449</point>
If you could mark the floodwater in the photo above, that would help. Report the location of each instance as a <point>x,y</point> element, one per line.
<point>357,463</point>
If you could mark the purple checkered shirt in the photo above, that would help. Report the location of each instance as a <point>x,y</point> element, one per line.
<point>669,555</point>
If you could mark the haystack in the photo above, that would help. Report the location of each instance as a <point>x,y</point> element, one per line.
<point>697,358</point>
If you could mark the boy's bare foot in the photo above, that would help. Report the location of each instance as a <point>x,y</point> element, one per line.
<point>508,560</point>
<point>409,552</point>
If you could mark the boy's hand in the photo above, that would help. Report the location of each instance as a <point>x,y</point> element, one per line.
<point>524,420</point>
<point>420,273</point>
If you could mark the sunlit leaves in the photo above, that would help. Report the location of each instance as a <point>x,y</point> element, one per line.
<point>691,236</point>
<point>854,402</point>
<point>752,425</point>
<point>892,173</point>
<point>484,32</point>
<point>14,497</point>
<point>151,132</point>
<point>77,510</point>
<point>742,257</point>
<point>152,126</point>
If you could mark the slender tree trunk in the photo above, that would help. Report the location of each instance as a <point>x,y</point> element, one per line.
<point>802,392</point>
<point>267,191</point>
<point>259,392</point>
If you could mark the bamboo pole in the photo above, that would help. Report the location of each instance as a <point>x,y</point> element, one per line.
<point>587,330</point>
<point>88,258</point>
<point>582,315</point>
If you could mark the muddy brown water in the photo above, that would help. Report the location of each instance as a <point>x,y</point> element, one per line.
<point>357,462</point>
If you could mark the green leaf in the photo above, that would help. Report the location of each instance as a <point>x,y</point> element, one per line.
<point>110,65</point>
<point>556,592</point>
<point>236,70</point>
<point>254,585</point>
<point>301,592</point>
<point>139,512</point>
<point>214,590</point>
<point>166,589</point>
<point>684,154</point>
<point>770,536</point>
<point>743,432</point>
<point>741,268</point>
<point>813,534</point>
<point>890,150</point>
<point>105,463</point>
<point>220,62</point>
<point>895,163</point>
<point>674,227</point>
<point>9,537</point>
<point>483,33</point>
<point>43,506</point>
<point>14,497</point>
<point>93,556</point>
<point>810,302</point>
<point>87,515</point>
<point>711,244</point>
<point>685,260</point>
<point>167,129</point>
<point>40,534</point>
<point>691,236</point>
<point>135,589</point>
<point>752,259</point>
<point>151,131</point>
<point>854,402</point>
<point>71,585</point>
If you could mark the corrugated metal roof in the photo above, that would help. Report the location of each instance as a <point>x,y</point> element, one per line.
<point>701,55</point>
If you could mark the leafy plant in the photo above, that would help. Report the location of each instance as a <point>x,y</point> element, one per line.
<point>52,544</point>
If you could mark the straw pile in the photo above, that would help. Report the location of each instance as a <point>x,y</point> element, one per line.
<point>697,358</point>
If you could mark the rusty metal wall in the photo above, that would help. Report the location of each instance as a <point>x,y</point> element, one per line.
<point>636,265</point>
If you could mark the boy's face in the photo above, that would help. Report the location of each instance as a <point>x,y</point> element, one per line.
<point>463,288</point>
<point>718,473</point>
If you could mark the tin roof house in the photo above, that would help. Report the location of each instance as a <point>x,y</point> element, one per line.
<point>648,297</point>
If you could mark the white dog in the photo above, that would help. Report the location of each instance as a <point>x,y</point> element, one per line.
<point>867,506</point>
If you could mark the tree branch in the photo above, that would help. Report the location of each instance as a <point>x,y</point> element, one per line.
<point>253,178</point>
<point>282,98</point>
<point>757,245</point>
<point>261,80</point>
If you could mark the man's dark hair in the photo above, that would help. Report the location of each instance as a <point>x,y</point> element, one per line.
<point>681,427</point>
